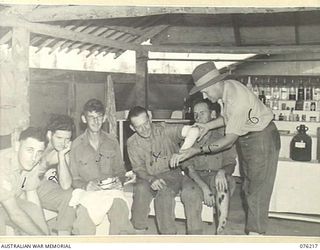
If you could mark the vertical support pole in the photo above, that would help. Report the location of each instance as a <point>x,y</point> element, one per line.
<point>20,58</point>
<point>141,86</point>
<point>71,111</point>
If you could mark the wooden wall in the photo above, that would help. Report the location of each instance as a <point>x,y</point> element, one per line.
<point>50,92</point>
<point>283,68</point>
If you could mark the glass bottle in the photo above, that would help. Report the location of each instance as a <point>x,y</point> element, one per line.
<point>292,91</point>
<point>268,90</point>
<point>301,91</point>
<point>309,92</point>
<point>256,90</point>
<point>276,92</point>
<point>262,97</point>
<point>291,115</point>
<point>249,85</point>
<point>284,90</point>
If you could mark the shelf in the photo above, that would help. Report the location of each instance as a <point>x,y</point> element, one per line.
<point>288,160</point>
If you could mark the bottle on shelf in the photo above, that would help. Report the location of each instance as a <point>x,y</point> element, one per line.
<point>268,90</point>
<point>309,92</point>
<point>292,91</point>
<point>275,104</point>
<point>291,115</point>
<point>313,106</point>
<point>301,91</point>
<point>276,91</point>
<point>256,90</point>
<point>284,90</point>
<point>301,145</point>
<point>316,90</point>
<point>249,84</point>
<point>262,97</point>
<point>281,118</point>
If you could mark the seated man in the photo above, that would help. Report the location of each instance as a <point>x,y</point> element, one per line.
<point>20,206</point>
<point>55,188</point>
<point>150,150</point>
<point>208,175</point>
<point>94,157</point>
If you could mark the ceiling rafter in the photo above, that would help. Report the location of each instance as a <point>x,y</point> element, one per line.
<point>272,49</point>
<point>54,31</point>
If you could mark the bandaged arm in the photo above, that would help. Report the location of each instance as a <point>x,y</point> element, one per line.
<point>191,134</point>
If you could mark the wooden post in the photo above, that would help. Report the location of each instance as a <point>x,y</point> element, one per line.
<point>111,106</point>
<point>20,58</point>
<point>72,104</point>
<point>141,86</point>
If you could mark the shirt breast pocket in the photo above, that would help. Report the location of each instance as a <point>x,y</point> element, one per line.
<point>108,158</point>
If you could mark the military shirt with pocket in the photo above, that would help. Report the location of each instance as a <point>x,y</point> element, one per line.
<point>88,164</point>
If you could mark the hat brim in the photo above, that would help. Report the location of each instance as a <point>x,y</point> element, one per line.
<point>220,77</point>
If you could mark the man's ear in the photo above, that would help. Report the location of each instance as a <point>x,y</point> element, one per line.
<point>104,118</point>
<point>16,146</point>
<point>132,128</point>
<point>49,135</point>
<point>83,119</point>
<point>213,114</point>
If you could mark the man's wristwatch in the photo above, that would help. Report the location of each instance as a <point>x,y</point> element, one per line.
<point>201,150</point>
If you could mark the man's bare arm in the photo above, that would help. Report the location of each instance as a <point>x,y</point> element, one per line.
<point>21,218</point>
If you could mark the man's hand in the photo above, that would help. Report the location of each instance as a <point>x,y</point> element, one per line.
<point>208,197</point>
<point>183,155</point>
<point>93,186</point>
<point>204,128</point>
<point>66,149</point>
<point>221,181</point>
<point>158,184</point>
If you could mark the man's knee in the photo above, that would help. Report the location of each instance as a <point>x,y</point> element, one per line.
<point>165,194</point>
<point>142,188</point>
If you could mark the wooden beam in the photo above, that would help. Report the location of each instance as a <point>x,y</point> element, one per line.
<point>124,29</point>
<point>20,58</point>
<point>148,35</point>
<point>140,91</point>
<point>281,49</point>
<point>296,18</point>
<point>59,13</point>
<point>86,30</point>
<point>97,32</point>
<point>236,30</point>
<point>54,31</point>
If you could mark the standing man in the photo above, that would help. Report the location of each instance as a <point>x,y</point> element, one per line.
<point>209,176</point>
<point>150,150</point>
<point>95,156</point>
<point>20,205</point>
<point>249,122</point>
<point>55,189</point>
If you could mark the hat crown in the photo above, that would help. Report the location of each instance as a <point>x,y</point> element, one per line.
<point>203,69</point>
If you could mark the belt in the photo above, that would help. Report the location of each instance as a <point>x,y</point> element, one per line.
<point>256,132</point>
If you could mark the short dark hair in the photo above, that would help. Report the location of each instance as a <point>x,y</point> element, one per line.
<point>94,105</point>
<point>211,106</point>
<point>136,111</point>
<point>33,132</point>
<point>60,122</point>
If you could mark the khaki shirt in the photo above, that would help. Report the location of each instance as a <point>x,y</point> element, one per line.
<point>243,111</point>
<point>88,164</point>
<point>153,154</point>
<point>14,181</point>
<point>226,158</point>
